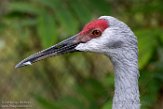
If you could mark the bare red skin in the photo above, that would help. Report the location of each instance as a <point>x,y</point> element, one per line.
<point>86,33</point>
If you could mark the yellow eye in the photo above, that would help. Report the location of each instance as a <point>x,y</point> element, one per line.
<point>96,33</point>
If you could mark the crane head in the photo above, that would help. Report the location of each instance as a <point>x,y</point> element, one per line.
<point>102,35</point>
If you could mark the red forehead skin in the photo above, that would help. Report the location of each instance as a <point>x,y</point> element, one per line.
<point>85,35</point>
<point>100,23</point>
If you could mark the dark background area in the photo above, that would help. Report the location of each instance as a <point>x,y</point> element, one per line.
<point>78,80</point>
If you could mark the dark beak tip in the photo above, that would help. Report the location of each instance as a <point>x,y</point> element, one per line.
<point>17,66</point>
<point>22,64</point>
<point>66,46</point>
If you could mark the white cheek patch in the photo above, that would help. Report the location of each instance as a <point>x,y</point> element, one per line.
<point>89,46</point>
<point>98,44</point>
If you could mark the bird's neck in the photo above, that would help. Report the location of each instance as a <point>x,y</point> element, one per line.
<point>126,95</point>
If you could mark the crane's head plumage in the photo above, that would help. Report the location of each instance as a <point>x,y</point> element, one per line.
<point>104,35</point>
<point>111,35</point>
<point>92,30</point>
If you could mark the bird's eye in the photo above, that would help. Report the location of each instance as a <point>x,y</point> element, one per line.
<point>96,33</point>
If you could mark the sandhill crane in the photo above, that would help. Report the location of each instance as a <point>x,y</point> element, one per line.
<point>109,36</point>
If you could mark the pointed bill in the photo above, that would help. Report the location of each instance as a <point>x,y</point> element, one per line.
<point>65,46</point>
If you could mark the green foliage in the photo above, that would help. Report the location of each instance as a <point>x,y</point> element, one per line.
<point>23,7</point>
<point>63,82</point>
<point>87,97</point>
<point>46,29</point>
<point>146,49</point>
<point>46,103</point>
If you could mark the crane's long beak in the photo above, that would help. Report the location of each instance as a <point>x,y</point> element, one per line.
<point>65,46</point>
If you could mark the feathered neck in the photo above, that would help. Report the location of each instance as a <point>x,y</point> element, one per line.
<point>126,94</point>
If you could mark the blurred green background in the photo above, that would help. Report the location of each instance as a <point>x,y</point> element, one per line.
<point>78,80</point>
